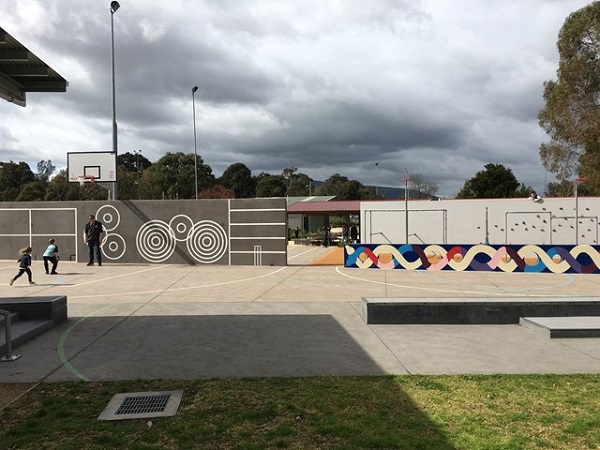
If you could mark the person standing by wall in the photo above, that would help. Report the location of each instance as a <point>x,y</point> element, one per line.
<point>51,255</point>
<point>92,237</point>
<point>353,234</point>
<point>345,233</point>
<point>24,265</point>
<point>326,234</point>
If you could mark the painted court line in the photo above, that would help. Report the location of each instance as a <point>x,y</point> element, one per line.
<point>419,288</point>
<point>303,253</point>
<point>112,278</point>
<point>224,283</point>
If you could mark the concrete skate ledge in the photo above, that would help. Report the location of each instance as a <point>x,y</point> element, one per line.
<point>37,308</point>
<point>473,310</point>
<point>564,327</point>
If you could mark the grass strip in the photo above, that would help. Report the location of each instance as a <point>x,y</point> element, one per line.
<point>351,413</point>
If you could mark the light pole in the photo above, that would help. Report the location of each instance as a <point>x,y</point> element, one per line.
<point>406,180</point>
<point>576,183</point>
<point>376,178</point>
<point>114,6</point>
<point>194,89</point>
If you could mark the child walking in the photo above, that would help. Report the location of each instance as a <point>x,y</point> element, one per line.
<point>51,255</point>
<point>24,265</point>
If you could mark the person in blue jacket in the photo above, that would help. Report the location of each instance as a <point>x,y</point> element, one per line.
<point>51,256</point>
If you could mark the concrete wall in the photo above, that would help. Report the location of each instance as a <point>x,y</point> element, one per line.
<point>236,232</point>
<point>492,221</point>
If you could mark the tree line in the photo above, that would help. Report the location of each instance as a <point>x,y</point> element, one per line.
<point>173,177</point>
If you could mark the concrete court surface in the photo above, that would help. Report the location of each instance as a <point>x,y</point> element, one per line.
<point>183,322</point>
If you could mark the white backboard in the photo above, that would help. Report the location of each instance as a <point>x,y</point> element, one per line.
<point>101,165</point>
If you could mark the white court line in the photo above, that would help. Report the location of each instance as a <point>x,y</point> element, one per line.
<point>224,283</point>
<point>570,280</point>
<point>304,252</point>
<point>112,278</point>
<point>479,293</point>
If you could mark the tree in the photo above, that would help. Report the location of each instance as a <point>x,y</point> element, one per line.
<point>13,178</point>
<point>32,192</point>
<point>173,177</point>
<point>59,188</point>
<point>340,187</point>
<point>238,178</point>
<point>571,116</point>
<point>496,181</point>
<point>133,162</point>
<point>423,188</point>
<point>217,191</point>
<point>523,190</point>
<point>298,184</point>
<point>92,191</point>
<point>129,182</point>
<point>271,186</point>
<point>566,188</point>
<point>369,193</point>
<point>45,169</point>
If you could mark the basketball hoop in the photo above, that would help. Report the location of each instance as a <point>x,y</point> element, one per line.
<point>86,178</point>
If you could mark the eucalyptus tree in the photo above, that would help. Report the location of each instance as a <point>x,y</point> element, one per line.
<point>571,115</point>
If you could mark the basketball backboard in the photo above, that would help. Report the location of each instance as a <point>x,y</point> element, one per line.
<point>100,165</point>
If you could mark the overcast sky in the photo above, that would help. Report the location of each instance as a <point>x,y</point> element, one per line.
<point>437,87</point>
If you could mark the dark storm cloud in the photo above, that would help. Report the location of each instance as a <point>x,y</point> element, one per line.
<point>438,88</point>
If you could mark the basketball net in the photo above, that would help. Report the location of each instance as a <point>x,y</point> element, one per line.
<point>86,179</point>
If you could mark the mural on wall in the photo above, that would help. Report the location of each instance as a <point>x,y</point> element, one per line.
<point>113,245</point>
<point>480,257</point>
<point>208,231</point>
<point>206,241</point>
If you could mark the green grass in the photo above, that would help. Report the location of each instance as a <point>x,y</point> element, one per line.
<point>349,413</point>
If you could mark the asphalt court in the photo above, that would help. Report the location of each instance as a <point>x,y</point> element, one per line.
<point>183,322</point>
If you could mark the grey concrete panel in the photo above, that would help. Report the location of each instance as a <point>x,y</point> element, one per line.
<point>472,311</point>
<point>13,220</point>
<point>152,231</point>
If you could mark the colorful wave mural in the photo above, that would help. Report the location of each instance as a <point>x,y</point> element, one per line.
<point>481,257</point>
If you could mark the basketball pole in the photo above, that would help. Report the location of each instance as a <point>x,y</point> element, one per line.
<point>114,6</point>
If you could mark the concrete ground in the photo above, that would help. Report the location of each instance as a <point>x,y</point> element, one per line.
<point>185,322</point>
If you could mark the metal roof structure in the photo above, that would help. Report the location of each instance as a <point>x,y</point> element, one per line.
<point>312,198</point>
<point>21,71</point>
<point>331,208</point>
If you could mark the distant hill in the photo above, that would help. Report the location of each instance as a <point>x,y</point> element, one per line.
<point>390,193</point>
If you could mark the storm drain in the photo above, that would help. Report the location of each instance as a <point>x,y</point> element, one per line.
<point>142,405</point>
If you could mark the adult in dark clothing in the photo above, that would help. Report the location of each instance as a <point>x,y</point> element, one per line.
<point>353,234</point>
<point>92,237</point>
<point>345,233</point>
<point>326,231</point>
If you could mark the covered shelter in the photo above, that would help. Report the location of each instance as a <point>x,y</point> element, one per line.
<point>311,214</point>
<point>21,71</point>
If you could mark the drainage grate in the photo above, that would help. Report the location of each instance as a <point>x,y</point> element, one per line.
<point>142,405</point>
